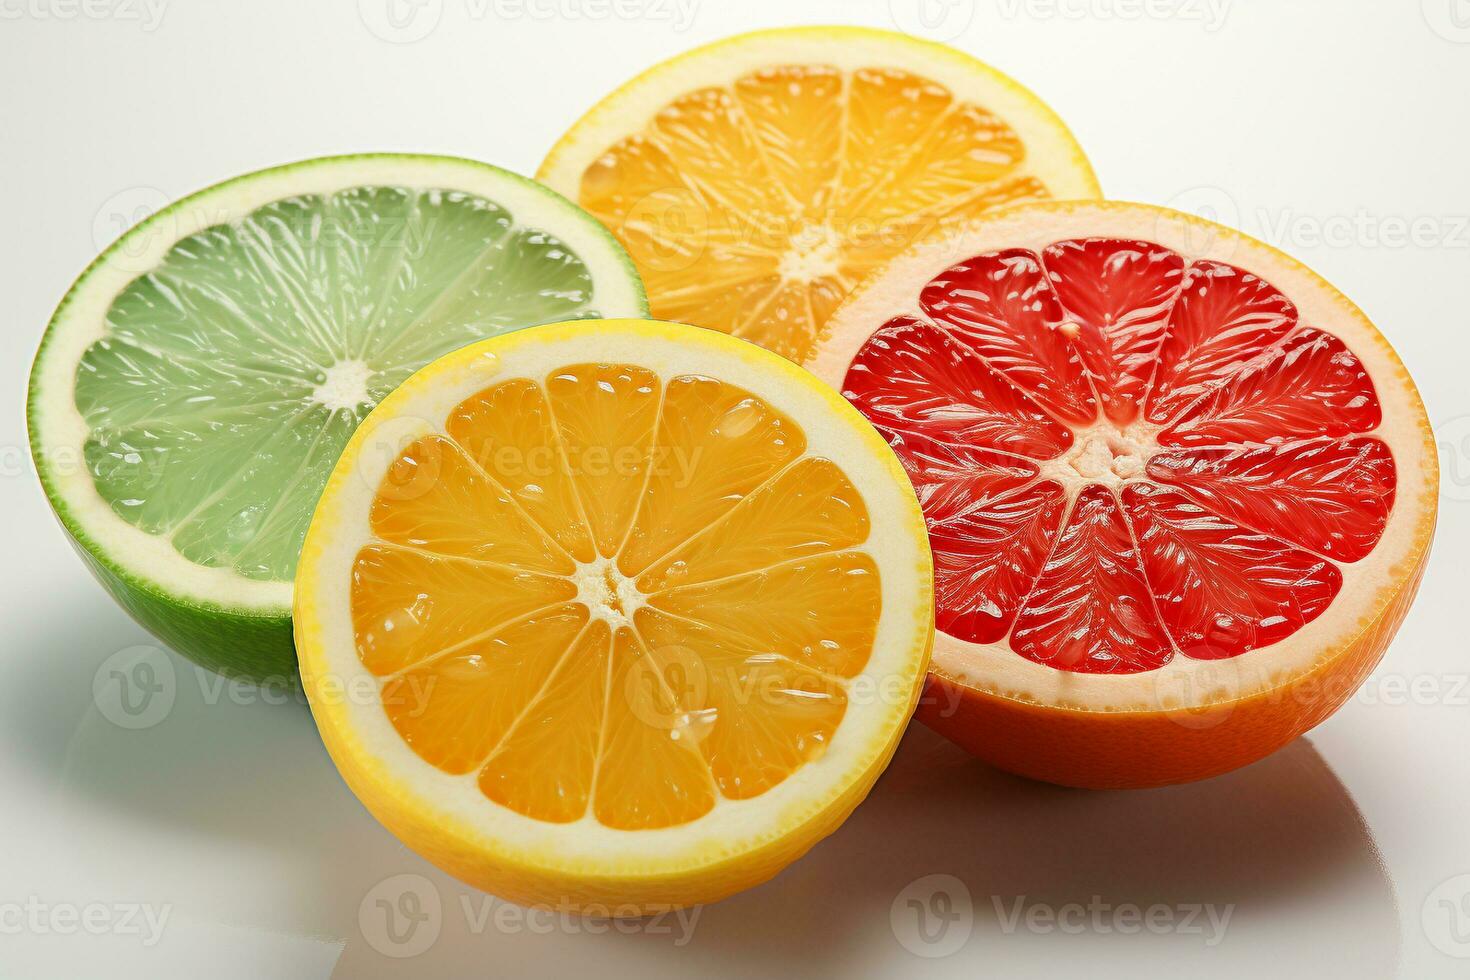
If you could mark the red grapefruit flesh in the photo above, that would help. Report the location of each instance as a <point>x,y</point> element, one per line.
<point>1179,496</point>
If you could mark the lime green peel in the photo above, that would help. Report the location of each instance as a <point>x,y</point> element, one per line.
<point>197,384</point>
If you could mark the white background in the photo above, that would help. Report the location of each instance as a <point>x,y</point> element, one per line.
<point>1330,128</point>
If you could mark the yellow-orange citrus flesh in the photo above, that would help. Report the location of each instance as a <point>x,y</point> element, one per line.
<point>756,181</point>
<point>636,613</point>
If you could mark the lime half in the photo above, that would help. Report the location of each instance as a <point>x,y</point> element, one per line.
<point>197,384</point>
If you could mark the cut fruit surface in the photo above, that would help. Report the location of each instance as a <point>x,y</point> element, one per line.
<point>1162,483</point>
<point>757,180</point>
<point>197,384</point>
<point>638,613</point>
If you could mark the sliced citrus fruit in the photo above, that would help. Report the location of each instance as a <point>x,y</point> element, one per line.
<point>195,386</point>
<point>614,616</point>
<point>1180,491</point>
<point>755,181</point>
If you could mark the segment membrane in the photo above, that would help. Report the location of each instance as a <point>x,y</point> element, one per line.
<point>1118,293</point>
<point>716,444</point>
<point>1310,385</point>
<point>1002,307</point>
<point>1223,589</point>
<point>1270,476</point>
<point>605,415</point>
<point>1091,611</point>
<point>516,645</point>
<point>1222,319</point>
<point>910,377</point>
<point>753,208</point>
<point>1328,496</point>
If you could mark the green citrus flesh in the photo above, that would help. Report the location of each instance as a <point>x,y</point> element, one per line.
<point>222,380</point>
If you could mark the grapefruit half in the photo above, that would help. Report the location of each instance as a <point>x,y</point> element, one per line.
<point>1179,490</point>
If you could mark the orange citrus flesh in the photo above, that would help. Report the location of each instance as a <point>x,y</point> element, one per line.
<point>754,207</point>
<point>612,595</point>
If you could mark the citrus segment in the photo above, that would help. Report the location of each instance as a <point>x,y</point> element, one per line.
<point>716,445</point>
<point>914,377</point>
<point>651,773</point>
<point>1333,496</point>
<point>1002,307</point>
<point>606,416</point>
<point>809,508</point>
<point>1221,319</point>
<point>409,605</point>
<point>632,579</point>
<point>508,431</point>
<point>757,180</point>
<point>1090,609</point>
<point>1222,589</point>
<point>810,624</point>
<point>545,763</point>
<point>434,497</point>
<point>459,706</point>
<point>1136,461</point>
<point>1117,295</point>
<point>197,385</point>
<point>1307,385</point>
<point>757,742</point>
<point>987,558</point>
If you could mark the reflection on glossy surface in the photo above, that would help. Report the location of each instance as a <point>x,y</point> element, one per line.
<point>230,813</point>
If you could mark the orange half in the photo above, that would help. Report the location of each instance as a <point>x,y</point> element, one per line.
<point>756,181</point>
<point>614,613</point>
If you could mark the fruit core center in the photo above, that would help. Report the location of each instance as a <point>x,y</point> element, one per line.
<point>607,593</point>
<point>1106,453</point>
<point>343,386</point>
<point>812,254</point>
